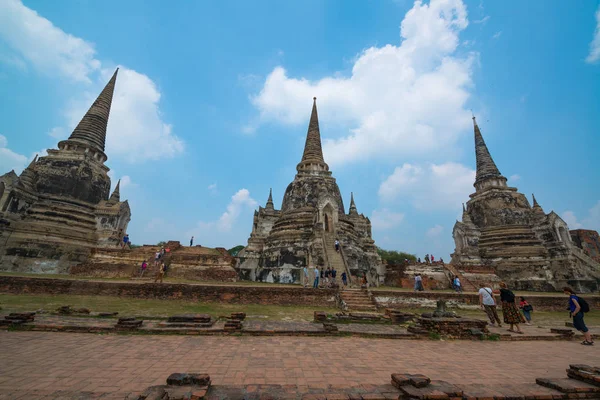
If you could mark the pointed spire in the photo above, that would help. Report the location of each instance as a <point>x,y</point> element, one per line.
<point>486,168</point>
<point>464,209</point>
<point>312,158</point>
<point>353,210</point>
<point>27,178</point>
<point>91,130</point>
<point>270,205</point>
<point>115,197</point>
<point>535,203</point>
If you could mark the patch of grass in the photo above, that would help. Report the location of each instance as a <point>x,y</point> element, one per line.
<point>492,337</point>
<point>155,308</point>
<point>434,336</point>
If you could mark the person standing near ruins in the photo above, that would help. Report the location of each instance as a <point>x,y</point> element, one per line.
<point>337,245</point>
<point>526,308</point>
<point>487,302</point>
<point>192,241</point>
<point>327,273</point>
<point>157,258</point>
<point>316,282</point>
<point>144,266</point>
<point>126,241</point>
<point>305,276</point>
<point>426,258</point>
<point>160,274</point>
<point>510,312</point>
<point>577,307</point>
<point>432,259</point>
<point>344,279</point>
<point>418,283</point>
<point>457,286</point>
<point>333,275</point>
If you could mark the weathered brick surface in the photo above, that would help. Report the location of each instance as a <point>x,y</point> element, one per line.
<point>400,299</point>
<point>225,294</point>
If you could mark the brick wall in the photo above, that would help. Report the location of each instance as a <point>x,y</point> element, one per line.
<point>210,293</point>
<point>396,299</point>
<point>587,240</point>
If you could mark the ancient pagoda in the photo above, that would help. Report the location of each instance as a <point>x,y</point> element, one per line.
<point>60,207</point>
<point>311,218</point>
<point>527,247</point>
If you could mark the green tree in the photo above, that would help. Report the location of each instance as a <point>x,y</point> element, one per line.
<point>161,244</point>
<point>395,257</point>
<point>235,250</point>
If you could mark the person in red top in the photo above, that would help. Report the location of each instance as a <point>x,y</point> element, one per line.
<point>526,308</point>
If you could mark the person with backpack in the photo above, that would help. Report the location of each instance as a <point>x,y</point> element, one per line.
<point>526,308</point>
<point>577,307</point>
<point>487,302</point>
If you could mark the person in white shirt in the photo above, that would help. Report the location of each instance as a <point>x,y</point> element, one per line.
<point>316,284</point>
<point>487,302</point>
<point>457,285</point>
<point>305,276</point>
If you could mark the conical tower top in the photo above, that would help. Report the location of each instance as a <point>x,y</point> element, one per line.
<point>270,205</point>
<point>312,158</point>
<point>115,197</point>
<point>487,172</point>
<point>27,178</point>
<point>353,210</point>
<point>91,130</point>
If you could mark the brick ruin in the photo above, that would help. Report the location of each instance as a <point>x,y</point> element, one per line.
<point>303,231</point>
<point>528,248</point>
<point>60,207</point>
<point>588,241</point>
<point>193,263</point>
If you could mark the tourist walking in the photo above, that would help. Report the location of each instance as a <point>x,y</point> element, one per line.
<point>157,258</point>
<point>426,258</point>
<point>327,275</point>
<point>344,279</point>
<point>457,286</point>
<point>333,275</point>
<point>510,312</point>
<point>305,276</point>
<point>160,274</point>
<point>126,241</point>
<point>144,266</point>
<point>526,308</point>
<point>419,260</point>
<point>192,241</point>
<point>487,302</point>
<point>577,307</point>
<point>432,258</point>
<point>316,282</point>
<point>418,283</point>
<point>337,245</point>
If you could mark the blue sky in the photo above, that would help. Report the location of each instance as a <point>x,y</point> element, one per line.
<point>213,100</point>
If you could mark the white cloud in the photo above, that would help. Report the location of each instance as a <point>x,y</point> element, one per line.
<point>400,100</point>
<point>9,159</point>
<point>591,220</point>
<point>482,20</point>
<point>435,231</point>
<point>497,35</point>
<point>13,61</point>
<point>240,201</point>
<point>44,45</point>
<point>213,189</point>
<point>594,55</point>
<point>443,186</point>
<point>385,219</point>
<point>58,133</point>
<point>571,220</point>
<point>514,178</point>
<point>136,130</point>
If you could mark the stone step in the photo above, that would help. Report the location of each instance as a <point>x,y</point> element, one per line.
<point>567,385</point>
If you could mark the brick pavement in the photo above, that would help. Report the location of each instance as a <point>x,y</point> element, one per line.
<point>44,362</point>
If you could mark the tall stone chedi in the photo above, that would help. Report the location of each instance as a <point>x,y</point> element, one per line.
<point>527,247</point>
<point>59,208</point>
<point>303,232</point>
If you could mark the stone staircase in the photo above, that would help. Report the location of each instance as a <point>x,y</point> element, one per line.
<point>333,257</point>
<point>467,286</point>
<point>358,300</point>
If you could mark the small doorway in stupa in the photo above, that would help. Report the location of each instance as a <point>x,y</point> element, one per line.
<point>328,218</point>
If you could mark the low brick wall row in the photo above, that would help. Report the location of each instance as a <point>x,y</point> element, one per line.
<point>397,299</point>
<point>210,293</point>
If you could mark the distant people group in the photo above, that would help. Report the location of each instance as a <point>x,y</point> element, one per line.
<point>323,277</point>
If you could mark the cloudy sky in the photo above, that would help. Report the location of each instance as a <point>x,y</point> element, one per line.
<point>213,100</point>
